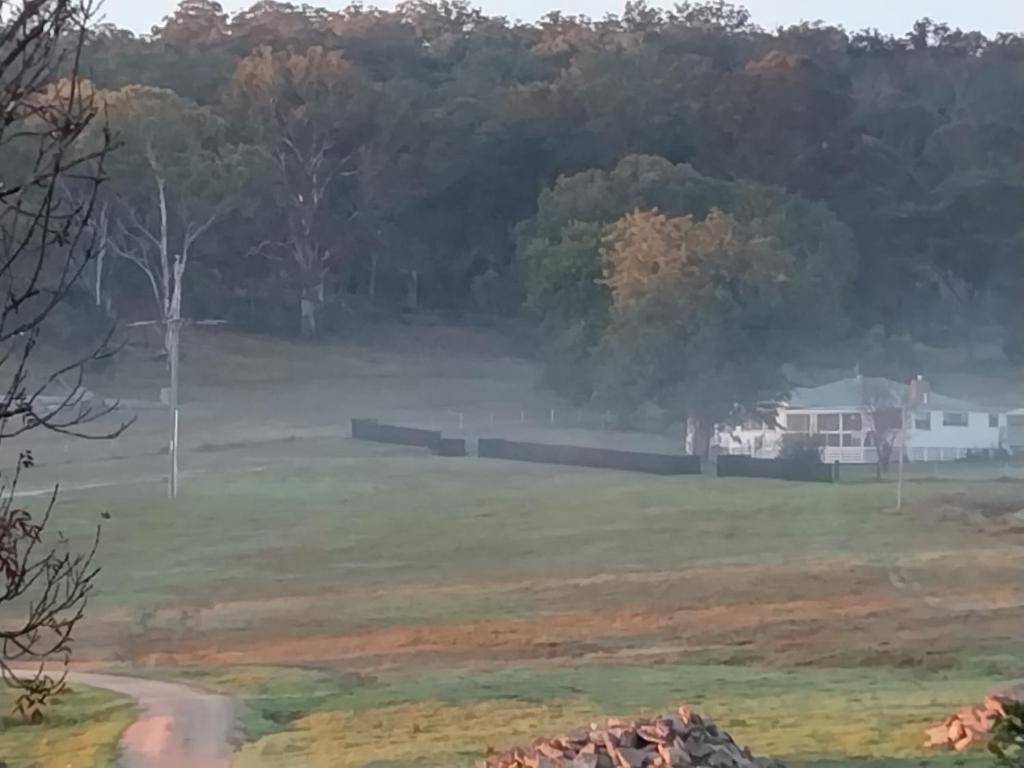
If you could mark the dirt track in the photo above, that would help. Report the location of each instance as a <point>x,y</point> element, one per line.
<point>176,725</point>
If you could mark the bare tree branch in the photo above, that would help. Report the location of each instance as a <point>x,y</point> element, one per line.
<point>47,242</point>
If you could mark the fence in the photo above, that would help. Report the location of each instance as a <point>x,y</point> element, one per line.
<point>597,458</point>
<point>450,446</point>
<point>370,429</point>
<point>777,469</point>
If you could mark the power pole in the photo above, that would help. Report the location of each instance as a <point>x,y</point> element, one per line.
<point>174,363</point>
<point>174,337</point>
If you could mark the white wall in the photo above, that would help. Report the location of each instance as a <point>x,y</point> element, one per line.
<point>977,435</point>
<point>941,443</point>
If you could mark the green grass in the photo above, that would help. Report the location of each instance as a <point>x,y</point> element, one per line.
<point>81,730</point>
<point>340,515</point>
<point>360,537</point>
<point>806,716</point>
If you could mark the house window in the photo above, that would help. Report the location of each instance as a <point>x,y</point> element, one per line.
<point>832,440</point>
<point>828,422</point>
<point>798,422</point>
<point>852,422</point>
<point>923,421</point>
<point>993,420</point>
<point>851,441</point>
<point>954,419</point>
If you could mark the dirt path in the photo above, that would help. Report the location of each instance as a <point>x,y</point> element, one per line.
<point>177,726</point>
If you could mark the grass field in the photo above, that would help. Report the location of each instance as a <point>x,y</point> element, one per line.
<point>448,718</point>
<point>81,729</point>
<point>351,592</point>
<point>380,606</point>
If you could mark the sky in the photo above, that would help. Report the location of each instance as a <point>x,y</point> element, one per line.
<point>895,16</point>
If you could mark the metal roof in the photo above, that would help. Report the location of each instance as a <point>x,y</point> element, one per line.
<point>861,390</point>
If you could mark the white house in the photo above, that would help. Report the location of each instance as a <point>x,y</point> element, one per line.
<point>1014,437</point>
<point>940,428</point>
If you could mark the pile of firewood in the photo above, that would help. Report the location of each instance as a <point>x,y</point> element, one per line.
<point>966,726</point>
<point>684,740</point>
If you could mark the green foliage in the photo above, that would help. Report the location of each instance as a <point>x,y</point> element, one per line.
<point>449,122</point>
<point>891,357</point>
<point>1006,740</point>
<point>710,338</point>
<point>802,449</point>
<point>563,275</point>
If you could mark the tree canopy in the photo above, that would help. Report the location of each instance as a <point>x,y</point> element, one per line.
<point>433,154</point>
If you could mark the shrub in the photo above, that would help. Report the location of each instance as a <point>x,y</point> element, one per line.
<point>801,449</point>
<point>1007,736</point>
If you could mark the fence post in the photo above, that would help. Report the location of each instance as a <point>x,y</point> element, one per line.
<point>460,421</point>
<point>552,417</point>
<point>522,417</point>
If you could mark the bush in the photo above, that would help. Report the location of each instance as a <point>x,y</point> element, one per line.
<point>801,449</point>
<point>1007,736</point>
<point>986,456</point>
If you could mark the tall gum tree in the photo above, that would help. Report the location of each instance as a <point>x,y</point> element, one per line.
<point>310,112</point>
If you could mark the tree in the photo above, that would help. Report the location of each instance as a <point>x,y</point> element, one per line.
<point>45,248</point>
<point>716,14</point>
<point>310,112</point>
<point>175,178</point>
<point>646,248</point>
<point>703,318</point>
<point>885,412</point>
<point>451,121</point>
<point>709,286</point>
<point>194,22</point>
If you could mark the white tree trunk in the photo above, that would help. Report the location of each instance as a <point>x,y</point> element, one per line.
<point>373,275</point>
<point>307,317</point>
<point>412,290</point>
<point>100,254</point>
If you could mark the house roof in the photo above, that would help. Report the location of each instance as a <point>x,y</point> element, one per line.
<point>861,390</point>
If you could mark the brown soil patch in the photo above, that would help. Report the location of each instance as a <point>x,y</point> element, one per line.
<point>526,633</point>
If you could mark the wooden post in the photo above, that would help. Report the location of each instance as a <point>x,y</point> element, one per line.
<point>903,450</point>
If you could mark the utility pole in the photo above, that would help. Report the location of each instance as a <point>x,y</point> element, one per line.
<point>173,337</point>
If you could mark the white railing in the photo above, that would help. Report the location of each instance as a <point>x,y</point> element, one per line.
<point>739,449</point>
<point>849,455</point>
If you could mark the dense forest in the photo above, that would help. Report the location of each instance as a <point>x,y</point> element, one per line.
<point>679,199</point>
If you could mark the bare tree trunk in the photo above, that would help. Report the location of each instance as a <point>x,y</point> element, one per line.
<point>690,441</point>
<point>412,290</point>
<point>103,225</point>
<point>312,292</point>
<point>307,319</point>
<point>373,274</point>
<point>100,254</point>
<point>699,437</point>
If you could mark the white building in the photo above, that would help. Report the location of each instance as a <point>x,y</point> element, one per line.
<point>842,414</point>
